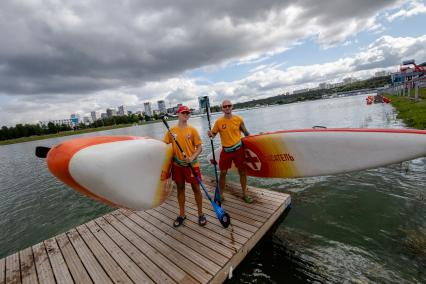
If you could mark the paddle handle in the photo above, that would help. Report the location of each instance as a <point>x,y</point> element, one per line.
<point>210,126</point>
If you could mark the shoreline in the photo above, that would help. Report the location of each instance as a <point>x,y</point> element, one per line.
<point>72,132</point>
<point>412,112</point>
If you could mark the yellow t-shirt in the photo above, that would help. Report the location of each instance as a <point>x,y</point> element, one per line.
<point>228,129</point>
<point>188,139</point>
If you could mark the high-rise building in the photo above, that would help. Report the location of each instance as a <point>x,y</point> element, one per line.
<point>111,112</point>
<point>75,118</point>
<point>94,115</point>
<point>161,106</point>
<point>122,110</point>
<point>147,107</point>
<point>202,102</point>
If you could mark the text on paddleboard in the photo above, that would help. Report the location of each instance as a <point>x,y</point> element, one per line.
<point>284,157</point>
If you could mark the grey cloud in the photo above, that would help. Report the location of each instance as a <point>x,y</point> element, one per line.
<point>88,46</point>
<point>179,96</point>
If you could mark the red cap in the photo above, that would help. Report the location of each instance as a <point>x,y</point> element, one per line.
<point>183,109</point>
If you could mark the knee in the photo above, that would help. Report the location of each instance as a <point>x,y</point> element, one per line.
<point>195,188</point>
<point>180,188</point>
<point>223,173</point>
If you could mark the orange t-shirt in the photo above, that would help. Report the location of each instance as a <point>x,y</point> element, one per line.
<point>229,130</point>
<point>188,139</point>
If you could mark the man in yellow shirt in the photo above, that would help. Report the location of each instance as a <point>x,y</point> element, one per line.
<point>190,141</point>
<point>229,128</point>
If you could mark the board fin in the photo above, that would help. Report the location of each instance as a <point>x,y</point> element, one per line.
<point>41,151</point>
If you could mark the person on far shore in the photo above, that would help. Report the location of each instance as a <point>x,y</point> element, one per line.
<point>229,128</point>
<point>190,141</point>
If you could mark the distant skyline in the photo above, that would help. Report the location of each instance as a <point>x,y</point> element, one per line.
<point>62,57</point>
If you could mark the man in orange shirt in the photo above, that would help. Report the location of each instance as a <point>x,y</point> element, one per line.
<point>190,141</point>
<point>229,128</point>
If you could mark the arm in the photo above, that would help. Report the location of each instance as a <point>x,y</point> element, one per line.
<point>211,134</point>
<point>166,138</point>
<point>197,152</point>
<point>214,131</point>
<point>198,147</point>
<point>244,129</point>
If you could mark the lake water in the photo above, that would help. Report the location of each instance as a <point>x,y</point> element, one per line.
<point>367,226</point>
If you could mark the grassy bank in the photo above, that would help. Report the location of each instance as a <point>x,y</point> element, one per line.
<point>411,112</point>
<point>72,132</point>
<point>60,134</point>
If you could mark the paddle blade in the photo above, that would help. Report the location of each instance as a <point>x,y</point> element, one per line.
<point>223,217</point>
<point>41,151</point>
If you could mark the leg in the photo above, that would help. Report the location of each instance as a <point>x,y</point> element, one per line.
<point>222,181</point>
<point>243,180</point>
<point>181,198</point>
<point>198,197</point>
<point>225,163</point>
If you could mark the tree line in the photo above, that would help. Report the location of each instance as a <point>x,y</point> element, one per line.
<point>317,94</point>
<point>27,130</point>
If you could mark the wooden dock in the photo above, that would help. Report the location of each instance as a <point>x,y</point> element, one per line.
<point>144,247</point>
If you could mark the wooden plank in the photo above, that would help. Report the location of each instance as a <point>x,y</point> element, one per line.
<point>112,242</point>
<point>195,233</point>
<point>95,270</point>
<point>260,206</point>
<point>235,186</point>
<point>238,214</point>
<point>201,248</point>
<point>59,267</point>
<point>192,209</point>
<point>190,251</point>
<point>13,271</point>
<point>110,266</point>
<point>192,216</point>
<point>236,220</point>
<point>128,255</point>
<point>260,199</point>
<point>267,196</point>
<point>75,266</point>
<point>177,257</point>
<point>44,270</point>
<point>2,270</point>
<point>144,247</point>
<point>239,256</point>
<point>28,271</point>
<point>207,232</point>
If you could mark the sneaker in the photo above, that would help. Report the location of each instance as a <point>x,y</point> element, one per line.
<point>179,221</point>
<point>202,220</point>
<point>248,199</point>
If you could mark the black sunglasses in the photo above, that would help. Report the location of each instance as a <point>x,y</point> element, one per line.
<point>226,106</point>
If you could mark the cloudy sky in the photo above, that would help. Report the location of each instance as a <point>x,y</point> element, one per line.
<point>59,57</point>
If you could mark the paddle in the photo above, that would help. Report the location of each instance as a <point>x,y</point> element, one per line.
<point>223,217</point>
<point>41,151</point>
<point>217,191</point>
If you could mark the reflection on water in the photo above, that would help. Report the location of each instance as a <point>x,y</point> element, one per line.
<point>366,226</point>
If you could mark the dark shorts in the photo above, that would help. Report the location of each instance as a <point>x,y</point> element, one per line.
<point>226,159</point>
<point>184,174</point>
